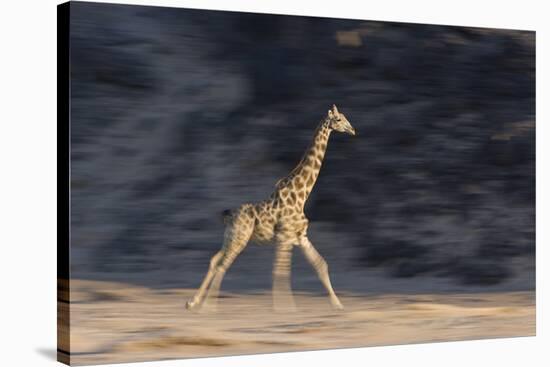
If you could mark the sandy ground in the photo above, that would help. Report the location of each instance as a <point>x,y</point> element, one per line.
<point>116,322</point>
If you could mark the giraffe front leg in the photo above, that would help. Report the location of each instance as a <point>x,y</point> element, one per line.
<point>283,299</point>
<point>321,267</point>
<point>197,299</point>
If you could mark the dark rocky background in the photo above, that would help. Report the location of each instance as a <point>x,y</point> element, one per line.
<point>178,114</point>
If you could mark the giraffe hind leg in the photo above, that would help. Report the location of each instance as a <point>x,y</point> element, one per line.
<point>197,299</point>
<point>237,233</point>
<point>230,253</point>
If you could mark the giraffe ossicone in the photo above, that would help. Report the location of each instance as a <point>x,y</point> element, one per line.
<point>279,220</point>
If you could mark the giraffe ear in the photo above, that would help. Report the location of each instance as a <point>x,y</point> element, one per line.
<point>334,109</point>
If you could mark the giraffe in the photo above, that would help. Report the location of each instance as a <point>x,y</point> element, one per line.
<point>280,220</point>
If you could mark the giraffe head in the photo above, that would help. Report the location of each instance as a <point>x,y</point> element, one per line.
<point>337,121</point>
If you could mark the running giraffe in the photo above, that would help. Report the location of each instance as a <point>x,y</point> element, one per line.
<point>279,220</point>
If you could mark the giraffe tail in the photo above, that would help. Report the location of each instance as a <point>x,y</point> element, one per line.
<point>227,214</point>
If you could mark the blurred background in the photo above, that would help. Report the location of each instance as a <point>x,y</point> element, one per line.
<point>178,114</point>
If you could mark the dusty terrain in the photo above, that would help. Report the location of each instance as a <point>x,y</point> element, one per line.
<point>116,322</point>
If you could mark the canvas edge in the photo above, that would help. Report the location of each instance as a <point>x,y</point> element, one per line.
<point>63,184</point>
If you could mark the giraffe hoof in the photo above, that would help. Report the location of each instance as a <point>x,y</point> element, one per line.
<point>190,305</point>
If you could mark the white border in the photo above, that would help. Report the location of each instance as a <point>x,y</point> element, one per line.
<point>28,181</point>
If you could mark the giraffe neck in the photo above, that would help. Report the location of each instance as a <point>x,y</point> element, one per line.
<point>304,176</point>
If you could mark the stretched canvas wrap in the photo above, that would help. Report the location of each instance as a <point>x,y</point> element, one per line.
<point>236,183</point>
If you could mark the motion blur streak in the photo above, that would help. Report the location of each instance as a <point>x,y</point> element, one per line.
<point>426,217</point>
